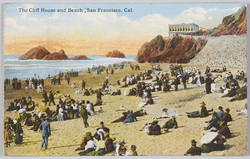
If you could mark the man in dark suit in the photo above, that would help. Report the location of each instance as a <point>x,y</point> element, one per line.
<point>45,128</point>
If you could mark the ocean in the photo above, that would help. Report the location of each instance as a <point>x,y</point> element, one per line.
<point>23,69</point>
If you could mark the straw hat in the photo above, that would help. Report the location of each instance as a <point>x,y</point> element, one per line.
<point>202,104</point>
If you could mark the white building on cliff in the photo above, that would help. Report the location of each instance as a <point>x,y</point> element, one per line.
<point>184,28</point>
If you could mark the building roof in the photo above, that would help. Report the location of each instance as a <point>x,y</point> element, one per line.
<point>184,24</point>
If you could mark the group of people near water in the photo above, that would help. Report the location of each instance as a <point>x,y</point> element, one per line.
<point>101,142</point>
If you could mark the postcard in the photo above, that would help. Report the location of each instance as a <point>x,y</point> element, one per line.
<point>125,79</point>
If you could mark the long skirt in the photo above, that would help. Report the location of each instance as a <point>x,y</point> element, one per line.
<point>18,138</point>
<point>206,148</point>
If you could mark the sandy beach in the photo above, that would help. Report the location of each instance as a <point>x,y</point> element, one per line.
<point>66,136</point>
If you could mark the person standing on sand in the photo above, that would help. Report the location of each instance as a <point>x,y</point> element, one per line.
<point>184,81</point>
<point>208,84</point>
<point>198,81</point>
<point>176,82</point>
<point>68,80</point>
<point>51,98</point>
<point>84,115</point>
<point>83,84</point>
<point>45,128</point>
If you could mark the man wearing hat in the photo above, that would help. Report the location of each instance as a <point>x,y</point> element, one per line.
<point>203,111</point>
<point>45,128</point>
<point>194,150</point>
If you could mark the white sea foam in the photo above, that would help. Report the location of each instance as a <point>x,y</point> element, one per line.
<point>27,68</point>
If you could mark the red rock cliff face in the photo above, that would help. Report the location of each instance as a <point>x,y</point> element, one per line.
<point>235,24</point>
<point>115,53</point>
<point>57,56</point>
<point>178,49</point>
<point>35,53</point>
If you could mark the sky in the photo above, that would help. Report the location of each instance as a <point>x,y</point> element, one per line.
<point>92,32</point>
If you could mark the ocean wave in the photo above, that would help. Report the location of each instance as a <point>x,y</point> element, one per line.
<point>26,68</point>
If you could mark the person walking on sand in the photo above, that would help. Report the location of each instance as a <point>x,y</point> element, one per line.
<point>45,128</point>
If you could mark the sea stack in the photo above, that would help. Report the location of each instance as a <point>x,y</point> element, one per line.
<point>57,56</point>
<point>35,53</point>
<point>115,53</point>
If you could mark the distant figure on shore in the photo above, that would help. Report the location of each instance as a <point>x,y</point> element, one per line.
<point>68,80</point>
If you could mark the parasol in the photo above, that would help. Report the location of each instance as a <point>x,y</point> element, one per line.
<point>207,138</point>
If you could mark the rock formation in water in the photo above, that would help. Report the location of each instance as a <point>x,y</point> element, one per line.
<point>35,53</point>
<point>115,53</point>
<point>80,57</point>
<point>42,53</point>
<point>57,56</point>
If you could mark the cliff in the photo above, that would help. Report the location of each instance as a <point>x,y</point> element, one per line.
<point>235,24</point>
<point>115,53</point>
<point>177,49</point>
<point>35,53</point>
<point>80,57</point>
